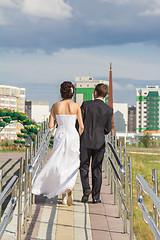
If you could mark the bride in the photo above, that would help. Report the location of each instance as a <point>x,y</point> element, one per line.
<point>59,174</point>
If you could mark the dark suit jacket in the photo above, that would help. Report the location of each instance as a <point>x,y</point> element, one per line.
<point>97,119</point>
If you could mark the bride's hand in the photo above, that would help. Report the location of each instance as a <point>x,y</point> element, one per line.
<point>81,129</point>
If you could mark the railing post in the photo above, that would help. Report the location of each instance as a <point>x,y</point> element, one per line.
<point>120,200</point>
<point>37,142</point>
<point>47,122</point>
<point>29,178</point>
<point>19,200</point>
<point>41,132</point>
<point>26,187</point>
<point>1,175</point>
<point>30,198</point>
<point>120,150</point>
<point>125,189</point>
<point>43,127</point>
<point>38,138</point>
<point>42,162</point>
<point>35,145</point>
<point>105,162</point>
<point>31,150</point>
<point>115,143</point>
<point>110,172</point>
<point>155,189</point>
<point>108,167</point>
<point>131,196</point>
<point>115,181</point>
<point>112,140</point>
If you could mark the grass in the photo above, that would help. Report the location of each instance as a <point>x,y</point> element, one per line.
<point>147,150</point>
<point>143,164</point>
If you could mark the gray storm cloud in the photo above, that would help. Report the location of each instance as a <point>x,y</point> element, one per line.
<point>51,25</point>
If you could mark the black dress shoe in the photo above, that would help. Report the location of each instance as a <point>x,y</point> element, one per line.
<point>86,196</point>
<point>96,201</point>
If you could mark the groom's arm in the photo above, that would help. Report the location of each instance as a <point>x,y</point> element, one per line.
<point>108,125</point>
<point>83,110</point>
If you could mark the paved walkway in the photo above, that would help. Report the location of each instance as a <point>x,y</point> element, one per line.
<point>52,220</point>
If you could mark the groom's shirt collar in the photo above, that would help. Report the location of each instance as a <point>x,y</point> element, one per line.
<point>102,99</point>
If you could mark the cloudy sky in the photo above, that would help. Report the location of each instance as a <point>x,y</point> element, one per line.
<point>49,41</point>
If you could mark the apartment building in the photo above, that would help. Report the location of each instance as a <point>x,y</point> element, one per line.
<point>37,110</point>
<point>132,119</point>
<point>148,109</point>
<point>84,88</point>
<point>11,98</point>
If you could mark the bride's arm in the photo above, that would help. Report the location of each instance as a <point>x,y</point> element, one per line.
<point>80,121</point>
<point>52,119</point>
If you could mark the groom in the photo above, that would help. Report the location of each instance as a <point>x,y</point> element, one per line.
<point>97,118</point>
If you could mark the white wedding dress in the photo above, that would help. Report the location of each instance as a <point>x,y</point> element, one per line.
<point>60,171</point>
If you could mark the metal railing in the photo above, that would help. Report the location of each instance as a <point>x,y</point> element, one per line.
<point>11,187</point>
<point>143,187</point>
<point>8,169</point>
<point>38,156</point>
<point>120,180</point>
<point>35,157</point>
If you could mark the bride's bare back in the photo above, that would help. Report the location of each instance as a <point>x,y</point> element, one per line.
<point>66,107</point>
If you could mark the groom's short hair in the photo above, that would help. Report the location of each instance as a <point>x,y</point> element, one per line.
<point>101,90</point>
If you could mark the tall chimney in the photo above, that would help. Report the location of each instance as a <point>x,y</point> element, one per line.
<point>110,93</point>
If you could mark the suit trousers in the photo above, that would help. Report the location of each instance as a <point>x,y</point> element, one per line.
<point>97,155</point>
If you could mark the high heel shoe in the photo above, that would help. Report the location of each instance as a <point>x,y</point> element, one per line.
<point>70,197</point>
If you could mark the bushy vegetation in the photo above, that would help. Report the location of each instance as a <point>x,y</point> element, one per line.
<point>30,128</point>
<point>9,145</point>
<point>145,141</point>
<point>148,141</point>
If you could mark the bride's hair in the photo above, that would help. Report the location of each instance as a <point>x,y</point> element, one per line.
<point>67,90</point>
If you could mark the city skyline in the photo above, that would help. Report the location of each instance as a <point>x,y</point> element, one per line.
<point>51,94</point>
<point>49,41</point>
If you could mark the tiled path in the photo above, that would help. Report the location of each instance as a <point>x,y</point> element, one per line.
<point>52,220</point>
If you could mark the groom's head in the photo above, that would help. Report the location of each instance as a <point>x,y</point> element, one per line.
<point>100,90</point>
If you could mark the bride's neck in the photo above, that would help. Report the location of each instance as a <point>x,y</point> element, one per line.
<point>66,99</point>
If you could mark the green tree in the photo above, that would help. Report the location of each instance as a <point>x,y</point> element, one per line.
<point>146,140</point>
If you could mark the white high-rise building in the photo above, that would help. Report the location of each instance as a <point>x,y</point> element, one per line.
<point>148,109</point>
<point>37,110</point>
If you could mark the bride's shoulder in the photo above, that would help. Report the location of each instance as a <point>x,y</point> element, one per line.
<point>76,105</point>
<point>55,104</point>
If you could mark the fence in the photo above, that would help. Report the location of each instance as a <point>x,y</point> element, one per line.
<point>120,180</point>
<point>35,156</point>
<point>11,187</point>
<point>118,169</point>
<point>7,170</point>
<point>143,187</point>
